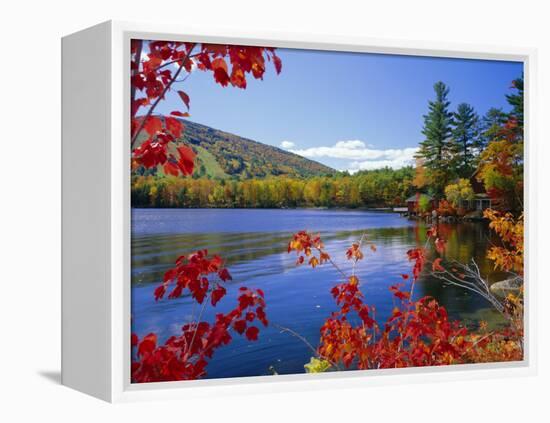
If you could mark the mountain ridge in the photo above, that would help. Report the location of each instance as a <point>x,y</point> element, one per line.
<point>223,154</point>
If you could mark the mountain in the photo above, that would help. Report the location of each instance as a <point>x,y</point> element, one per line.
<point>221,154</point>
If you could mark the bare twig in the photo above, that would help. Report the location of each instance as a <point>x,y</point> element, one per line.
<point>413,282</point>
<point>334,264</point>
<point>175,61</point>
<point>470,278</point>
<point>305,341</point>
<point>205,301</point>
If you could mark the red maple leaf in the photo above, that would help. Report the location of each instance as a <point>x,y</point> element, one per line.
<point>252,333</point>
<point>217,294</point>
<point>186,163</point>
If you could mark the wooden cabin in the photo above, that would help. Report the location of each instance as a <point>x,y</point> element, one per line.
<point>481,200</point>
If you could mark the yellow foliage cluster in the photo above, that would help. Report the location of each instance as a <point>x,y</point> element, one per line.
<point>501,171</point>
<point>508,257</point>
<point>317,365</point>
<point>459,191</point>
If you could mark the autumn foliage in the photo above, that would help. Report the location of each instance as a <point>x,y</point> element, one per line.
<point>154,73</point>
<point>501,163</point>
<point>445,208</point>
<point>501,171</point>
<point>508,256</point>
<point>158,67</point>
<point>418,332</point>
<point>185,357</point>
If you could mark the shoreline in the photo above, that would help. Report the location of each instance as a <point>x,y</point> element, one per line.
<point>441,219</point>
<point>378,209</point>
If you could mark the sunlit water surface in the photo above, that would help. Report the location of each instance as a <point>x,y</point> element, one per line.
<point>254,245</point>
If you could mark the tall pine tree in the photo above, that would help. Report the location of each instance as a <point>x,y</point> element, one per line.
<point>491,125</point>
<point>516,101</point>
<point>464,133</point>
<point>434,150</point>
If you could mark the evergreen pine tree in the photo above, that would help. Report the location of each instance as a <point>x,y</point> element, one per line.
<point>464,134</point>
<point>491,124</point>
<point>516,101</point>
<point>434,150</point>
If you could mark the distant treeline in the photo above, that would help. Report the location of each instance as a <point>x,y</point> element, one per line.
<point>376,188</point>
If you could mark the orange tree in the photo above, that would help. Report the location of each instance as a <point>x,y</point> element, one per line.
<point>507,257</point>
<point>501,163</point>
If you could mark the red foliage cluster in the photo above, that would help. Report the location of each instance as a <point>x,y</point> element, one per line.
<point>418,333</point>
<point>417,256</point>
<point>439,241</point>
<point>191,272</point>
<point>153,75</point>
<point>354,252</point>
<point>445,208</point>
<point>511,129</point>
<point>184,357</point>
<point>304,244</point>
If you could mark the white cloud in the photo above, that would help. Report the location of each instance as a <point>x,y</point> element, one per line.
<point>363,156</point>
<point>378,164</point>
<point>352,144</point>
<point>287,145</point>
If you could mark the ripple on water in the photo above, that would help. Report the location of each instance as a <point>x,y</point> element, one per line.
<point>253,243</point>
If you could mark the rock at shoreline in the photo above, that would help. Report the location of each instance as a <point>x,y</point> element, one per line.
<point>507,286</point>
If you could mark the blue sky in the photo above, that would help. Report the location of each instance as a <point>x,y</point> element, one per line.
<point>347,110</point>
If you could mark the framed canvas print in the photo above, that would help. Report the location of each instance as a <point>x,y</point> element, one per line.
<point>253,212</point>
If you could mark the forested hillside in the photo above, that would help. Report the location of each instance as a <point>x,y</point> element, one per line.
<point>222,155</point>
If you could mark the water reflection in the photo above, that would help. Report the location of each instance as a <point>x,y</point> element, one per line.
<point>298,298</point>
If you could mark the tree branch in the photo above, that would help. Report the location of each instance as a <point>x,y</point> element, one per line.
<point>137,61</point>
<point>472,281</point>
<point>161,96</point>
<point>175,61</point>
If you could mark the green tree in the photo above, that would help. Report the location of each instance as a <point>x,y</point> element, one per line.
<point>516,101</point>
<point>491,125</point>
<point>464,133</point>
<point>423,203</point>
<point>434,150</point>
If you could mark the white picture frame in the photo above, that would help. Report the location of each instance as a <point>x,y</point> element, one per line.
<point>96,226</point>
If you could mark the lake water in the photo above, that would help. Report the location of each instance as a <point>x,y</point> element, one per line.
<point>254,241</point>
